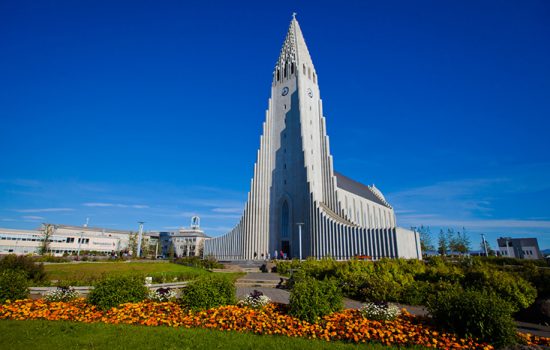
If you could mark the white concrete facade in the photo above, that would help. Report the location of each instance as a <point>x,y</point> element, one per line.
<point>64,239</point>
<point>294,183</point>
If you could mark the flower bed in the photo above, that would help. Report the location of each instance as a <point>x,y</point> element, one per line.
<point>348,325</point>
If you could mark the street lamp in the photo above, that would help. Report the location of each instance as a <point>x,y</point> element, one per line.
<point>484,244</point>
<point>300,224</point>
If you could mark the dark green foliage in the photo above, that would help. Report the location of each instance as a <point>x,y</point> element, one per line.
<point>311,299</point>
<point>208,291</point>
<point>113,291</point>
<point>511,288</point>
<point>416,293</point>
<point>13,285</point>
<point>35,272</point>
<point>195,261</point>
<point>474,313</point>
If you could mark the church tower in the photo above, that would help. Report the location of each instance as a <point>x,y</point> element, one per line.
<point>294,183</point>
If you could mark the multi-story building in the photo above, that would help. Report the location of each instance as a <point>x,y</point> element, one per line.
<point>298,204</point>
<point>521,248</point>
<point>63,239</point>
<point>184,242</point>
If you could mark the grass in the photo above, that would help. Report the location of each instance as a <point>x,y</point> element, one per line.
<point>73,335</point>
<point>83,274</point>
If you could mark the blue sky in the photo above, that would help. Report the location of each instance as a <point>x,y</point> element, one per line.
<point>123,111</point>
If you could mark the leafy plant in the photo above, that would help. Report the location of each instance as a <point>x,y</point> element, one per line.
<point>512,288</point>
<point>33,271</point>
<point>13,285</point>
<point>311,299</point>
<point>208,291</point>
<point>113,291</point>
<point>474,313</point>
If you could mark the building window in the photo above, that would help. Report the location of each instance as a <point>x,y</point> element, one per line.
<point>304,66</point>
<point>314,78</point>
<point>284,220</point>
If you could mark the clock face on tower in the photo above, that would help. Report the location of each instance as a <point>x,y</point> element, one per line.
<point>309,92</point>
<point>285,91</point>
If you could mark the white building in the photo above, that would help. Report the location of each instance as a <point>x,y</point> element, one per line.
<point>520,248</point>
<point>295,188</point>
<point>63,239</point>
<point>185,242</point>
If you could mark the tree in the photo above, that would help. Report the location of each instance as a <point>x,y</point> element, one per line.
<point>45,246</point>
<point>442,243</point>
<point>462,242</point>
<point>145,247</point>
<point>425,238</point>
<point>171,251</point>
<point>451,240</point>
<point>132,243</point>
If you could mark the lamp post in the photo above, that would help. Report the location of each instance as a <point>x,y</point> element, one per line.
<point>140,236</point>
<point>484,244</point>
<point>300,224</point>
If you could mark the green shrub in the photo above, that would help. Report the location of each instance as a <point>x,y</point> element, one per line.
<point>510,287</point>
<point>113,291</point>
<point>34,271</point>
<point>13,285</point>
<point>474,313</point>
<point>195,261</point>
<point>417,292</point>
<point>208,291</point>
<point>311,299</point>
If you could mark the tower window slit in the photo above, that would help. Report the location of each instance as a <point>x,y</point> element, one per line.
<point>304,68</point>
<point>309,72</point>
<point>314,78</point>
<point>292,68</point>
<point>278,75</point>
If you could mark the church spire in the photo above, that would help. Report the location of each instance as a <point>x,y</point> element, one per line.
<point>293,53</point>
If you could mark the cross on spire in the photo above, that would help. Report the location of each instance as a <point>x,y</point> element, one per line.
<point>294,15</point>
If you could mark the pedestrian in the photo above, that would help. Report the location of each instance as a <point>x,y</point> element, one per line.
<point>275,255</point>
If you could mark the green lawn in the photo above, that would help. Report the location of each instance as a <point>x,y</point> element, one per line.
<point>72,335</point>
<point>82,274</point>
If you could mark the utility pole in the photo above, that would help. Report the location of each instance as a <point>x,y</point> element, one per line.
<point>484,244</point>
<point>300,224</point>
<point>140,237</point>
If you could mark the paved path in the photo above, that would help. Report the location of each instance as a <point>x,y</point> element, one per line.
<point>281,296</point>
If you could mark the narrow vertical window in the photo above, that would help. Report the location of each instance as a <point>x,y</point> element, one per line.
<point>309,72</point>
<point>314,78</point>
<point>278,75</point>
<point>304,68</point>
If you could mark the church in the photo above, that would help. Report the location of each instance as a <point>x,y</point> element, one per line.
<point>297,203</point>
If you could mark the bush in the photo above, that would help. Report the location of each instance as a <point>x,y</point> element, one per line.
<point>512,288</point>
<point>380,311</point>
<point>62,294</point>
<point>311,299</point>
<point>195,261</point>
<point>474,313</point>
<point>208,291</point>
<point>13,285</point>
<point>113,291</point>
<point>417,293</point>
<point>34,272</point>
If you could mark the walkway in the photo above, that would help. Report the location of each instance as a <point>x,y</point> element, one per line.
<point>255,281</point>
